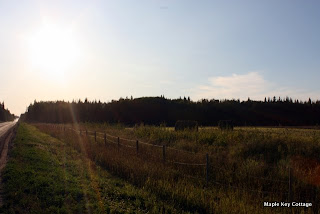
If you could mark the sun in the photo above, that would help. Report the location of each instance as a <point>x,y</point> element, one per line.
<point>52,51</point>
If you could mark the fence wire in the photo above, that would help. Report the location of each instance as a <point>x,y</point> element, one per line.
<point>95,134</point>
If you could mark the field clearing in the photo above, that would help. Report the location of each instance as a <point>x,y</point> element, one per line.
<point>209,138</point>
<point>247,166</point>
<point>262,128</point>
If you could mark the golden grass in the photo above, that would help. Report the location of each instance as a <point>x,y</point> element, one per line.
<point>247,166</point>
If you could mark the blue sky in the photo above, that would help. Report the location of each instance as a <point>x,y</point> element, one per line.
<point>105,50</point>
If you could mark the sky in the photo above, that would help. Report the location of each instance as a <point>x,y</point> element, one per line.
<point>104,50</point>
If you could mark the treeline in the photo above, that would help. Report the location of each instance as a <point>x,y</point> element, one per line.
<point>5,114</point>
<point>158,110</point>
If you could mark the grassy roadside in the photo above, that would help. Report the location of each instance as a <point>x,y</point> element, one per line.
<point>45,175</point>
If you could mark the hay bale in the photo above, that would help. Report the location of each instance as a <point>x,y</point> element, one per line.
<point>225,124</point>
<point>186,124</point>
<point>138,125</point>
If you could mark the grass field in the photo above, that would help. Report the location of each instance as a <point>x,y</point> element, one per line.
<point>46,175</point>
<point>248,166</point>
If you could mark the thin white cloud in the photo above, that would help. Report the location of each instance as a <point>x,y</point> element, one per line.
<point>166,82</point>
<point>242,86</point>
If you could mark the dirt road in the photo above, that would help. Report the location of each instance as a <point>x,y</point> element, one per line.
<point>4,127</point>
<point>5,136</point>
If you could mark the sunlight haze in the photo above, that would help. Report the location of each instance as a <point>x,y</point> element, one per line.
<point>104,50</point>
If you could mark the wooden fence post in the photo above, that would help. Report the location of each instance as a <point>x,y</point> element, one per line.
<point>95,136</point>
<point>137,146</point>
<point>207,169</point>
<point>290,185</point>
<point>105,139</point>
<point>164,153</point>
<point>315,206</point>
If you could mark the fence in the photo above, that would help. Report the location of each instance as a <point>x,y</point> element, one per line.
<point>207,165</point>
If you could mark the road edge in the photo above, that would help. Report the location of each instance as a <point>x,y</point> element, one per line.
<point>6,143</point>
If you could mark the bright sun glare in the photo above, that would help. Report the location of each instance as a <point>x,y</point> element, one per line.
<point>52,51</point>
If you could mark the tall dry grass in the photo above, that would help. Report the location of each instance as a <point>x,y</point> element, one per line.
<point>247,166</point>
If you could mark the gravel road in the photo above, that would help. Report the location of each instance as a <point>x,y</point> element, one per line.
<point>4,145</point>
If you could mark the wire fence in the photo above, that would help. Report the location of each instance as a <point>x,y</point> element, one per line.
<point>170,155</point>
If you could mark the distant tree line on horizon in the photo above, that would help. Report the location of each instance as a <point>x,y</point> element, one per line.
<point>160,110</point>
<point>5,114</point>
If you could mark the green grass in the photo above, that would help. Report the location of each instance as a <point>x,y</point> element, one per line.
<point>46,175</point>
<point>39,178</point>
